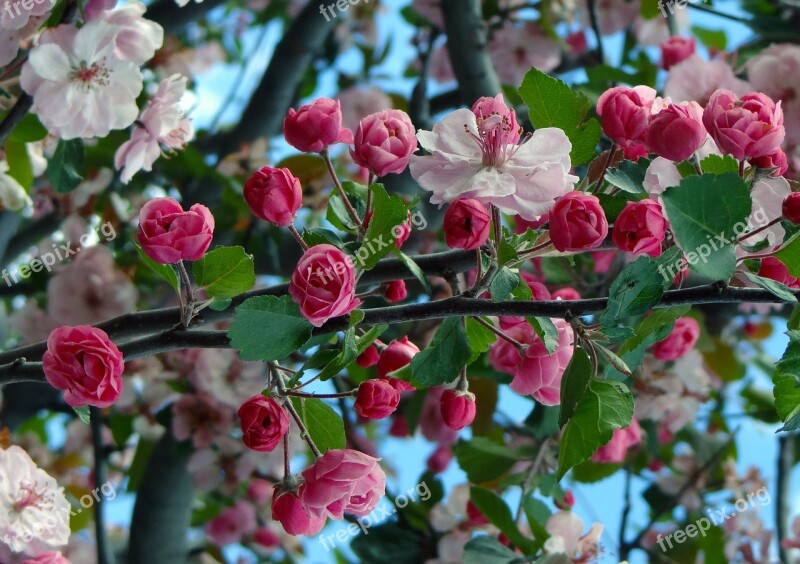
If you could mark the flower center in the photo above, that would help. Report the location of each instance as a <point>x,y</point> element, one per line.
<point>30,496</point>
<point>497,139</point>
<point>88,77</point>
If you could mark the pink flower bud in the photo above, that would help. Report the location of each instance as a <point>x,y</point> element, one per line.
<point>624,114</point>
<point>677,131</point>
<point>342,481</point>
<point>640,228</point>
<point>324,284</point>
<point>84,363</point>
<point>577,42</point>
<point>466,224</point>
<point>288,510</point>
<point>577,222</point>
<point>474,515</point>
<point>748,127</point>
<point>439,459</point>
<point>676,49</point>
<point>622,439</point>
<point>167,234</point>
<point>376,399</point>
<point>264,423</point>
<point>680,340</point>
<point>259,491</point>
<point>399,427</point>
<point>369,357</point>
<point>274,195</point>
<point>457,408</point>
<point>395,291</point>
<point>313,127</point>
<point>776,160</point>
<point>394,357</point>
<point>791,207</point>
<point>266,537</point>
<point>774,269</point>
<point>384,141</point>
<point>569,501</point>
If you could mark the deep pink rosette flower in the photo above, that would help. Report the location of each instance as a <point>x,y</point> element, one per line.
<point>538,373</point>
<point>167,234</point>
<point>676,49</point>
<point>622,440</point>
<point>457,408</point>
<point>274,195</point>
<point>466,224</point>
<point>264,423</point>
<point>640,228</point>
<point>315,126</point>
<point>624,114</point>
<point>577,222</point>
<point>680,340</point>
<point>288,510</point>
<point>677,131</point>
<point>384,141</point>
<point>376,399</point>
<point>746,127</point>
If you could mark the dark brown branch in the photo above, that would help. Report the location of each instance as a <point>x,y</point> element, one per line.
<point>172,17</point>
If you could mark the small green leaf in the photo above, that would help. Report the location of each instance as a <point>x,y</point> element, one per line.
<point>776,288</point>
<point>28,130</point>
<point>498,513</point>
<point>65,169</point>
<point>268,328</point>
<point>414,268</point>
<point>553,103</point>
<point>789,254</point>
<point>703,214</point>
<point>714,164</point>
<point>574,384</point>
<point>225,272</point>
<point>448,352</point>
<point>323,424</point>
<point>19,164</point>
<point>165,271</point>
<point>484,460</point>
<point>605,406</point>
<point>82,413</point>
<point>628,176</point>
<point>483,549</point>
<point>787,384</point>
<point>547,332</point>
<point>503,282</point>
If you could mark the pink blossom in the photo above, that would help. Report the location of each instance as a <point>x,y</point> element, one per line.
<point>565,530</point>
<point>201,418</point>
<point>440,458</point>
<point>288,510</point>
<point>539,373</point>
<point>676,49</point>
<point>680,340</point>
<point>168,234</point>
<point>80,87</point>
<point>342,481</point>
<point>137,38</point>
<point>515,49</point>
<point>748,127</point>
<point>624,113</point>
<point>384,141</point>
<point>677,131</point>
<point>612,15</point>
<point>313,127</point>
<point>480,159</point>
<point>162,124</point>
<point>775,71</point>
<point>696,79</point>
<point>431,423</point>
<point>16,16</point>
<point>35,516</point>
<point>622,440</point>
<point>232,524</point>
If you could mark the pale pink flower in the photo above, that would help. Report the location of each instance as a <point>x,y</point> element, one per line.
<point>775,71</point>
<point>90,289</point>
<point>200,417</point>
<point>232,524</point>
<point>9,44</point>
<point>514,50</point>
<point>566,536</point>
<point>35,513</point>
<point>480,161</point>
<point>696,79</point>
<point>768,195</point>
<point>655,31</point>
<point>138,38</point>
<point>80,87</point>
<point>161,124</point>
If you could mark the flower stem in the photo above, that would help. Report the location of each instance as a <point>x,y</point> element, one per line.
<point>290,408</point>
<point>286,470</point>
<point>759,230</point>
<point>350,209</point>
<point>186,296</point>
<point>520,347</point>
<point>297,237</point>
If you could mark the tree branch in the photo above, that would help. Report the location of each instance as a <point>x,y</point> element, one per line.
<point>466,44</point>
<point>172,17</point>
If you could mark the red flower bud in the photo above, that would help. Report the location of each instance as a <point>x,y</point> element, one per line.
<point>457,408</point>
<point>376,399</point>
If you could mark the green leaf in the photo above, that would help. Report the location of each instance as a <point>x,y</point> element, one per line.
<point>351,348</point>
<point>389,542</point>
<point>787,384</point>
<point>443,359</point>
<point>19,164</point>
<point>614,360</point>
<point>703,211</point>
<point>639,286</point>
<point>503,282</point>
<point>498,513</point>
<point>547,332</point>
<point>483,549</point>
<point>552,103</point>
<point>225,272</point>
<point>605,406</point>
<point>480,338</point>
<point>28,130</point>
<point>324,425</point>
<point>776,288</point>
<point>165,271</point>
<point>268,328</point>
<point>789,254</point>
<point>574,384</point>
<point>628,176</point>
<point>414,268</point>
<point>714,164</point>
<point>651,329</point>
<point>82,413</point>
<point>319,236</point>
<point>484,460</point>
<point>65,169</point>
<point>715,39</point>
<point>389,212</point>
